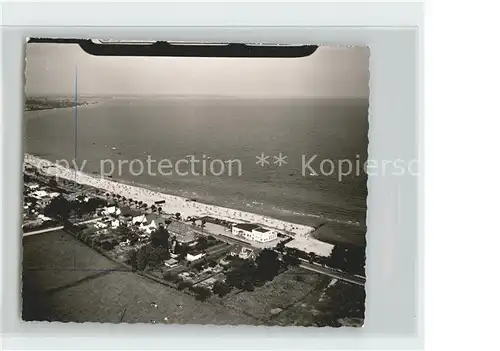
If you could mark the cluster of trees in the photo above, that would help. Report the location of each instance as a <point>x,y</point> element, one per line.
<point>147,256</point>
<point>346,257</point>
<point>171,277</point>
<point>161,237</point>
<point>341,301</point>
<point>116,198</point>
<point>127,233</point>
<point>58,208</point>
<point>104,243</point>
<point>204,243</point>
<point>62,209</point>
<point>221,288</point>
<point>202,264</point>
<point>247,274</point>
<point>152,254</point>
<point>181,250</point>
<point>200,293</point>
<point>27,177</point>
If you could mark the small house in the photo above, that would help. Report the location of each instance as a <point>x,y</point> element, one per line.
<point>194,256</point>
<point>170,263</point>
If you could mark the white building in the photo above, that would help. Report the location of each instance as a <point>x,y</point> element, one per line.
<point>100,225</point>
<point>115,223</point>
<point>254,232</point>
<point>191,258</point>
<point>39,194</point>
<point>141,219</point>
<point>172,262</point>
<point>246,253</point>
<point>112,210</point>
<point>43,218</point>
<point>147,228</point>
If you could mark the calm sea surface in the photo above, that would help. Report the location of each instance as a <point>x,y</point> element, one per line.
<point>224,129</point>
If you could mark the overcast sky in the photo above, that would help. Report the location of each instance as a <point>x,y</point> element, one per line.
<point>329,72</point>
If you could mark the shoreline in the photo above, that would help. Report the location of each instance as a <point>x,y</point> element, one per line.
<point>173,203</point>
<point>48,108</point>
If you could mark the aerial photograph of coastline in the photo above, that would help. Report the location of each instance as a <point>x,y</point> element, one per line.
<point>195,190</point>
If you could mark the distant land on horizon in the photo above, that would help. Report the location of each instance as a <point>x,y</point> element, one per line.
<point>199,96</point>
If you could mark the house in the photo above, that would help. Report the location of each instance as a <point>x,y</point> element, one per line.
<point>39,194</point>
<point>253,232</point>
<point>125,243</point>
<point>43,218</point>
<point>194,256</point>
<point>171,263</point>
<point>246,253</point>
<point>242,252</point>
<point>140,219</point>
<point>82,198</point>
<point>115,223</point>
<point>127,214</point>
<point>33,186</point>
<point>111,210</point>
<point>126,219</point>
<point>100,225</point>
<point>155,221</point>
<point>186,238</point>
<point>148,223</point>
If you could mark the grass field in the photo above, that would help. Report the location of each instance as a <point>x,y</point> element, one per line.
<point>343,306</point>
<point>64,280</point>
<point>284,291</point>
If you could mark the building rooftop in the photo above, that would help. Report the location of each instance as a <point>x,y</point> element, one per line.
<point>246,226</point>
<point>171,261</point>
<point>262,230</point>
<point>130,212</point>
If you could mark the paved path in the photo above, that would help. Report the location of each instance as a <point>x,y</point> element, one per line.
<point>41,231</point>
<point>333,273</point>
<point>48,230</point>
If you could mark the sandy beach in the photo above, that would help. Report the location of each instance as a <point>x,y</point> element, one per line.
<point>173,204</point>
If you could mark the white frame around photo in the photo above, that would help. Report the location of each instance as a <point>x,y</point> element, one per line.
<point>394,306</point>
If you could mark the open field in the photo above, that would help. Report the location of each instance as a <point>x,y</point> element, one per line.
<point>285,290</point>
<point>64,280</point>
<point>341,304</point>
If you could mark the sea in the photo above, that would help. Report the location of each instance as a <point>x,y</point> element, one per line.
<point>225,135</point>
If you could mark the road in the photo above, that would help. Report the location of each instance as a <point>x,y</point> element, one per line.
<point>48,230</point>
<point>333,273</point>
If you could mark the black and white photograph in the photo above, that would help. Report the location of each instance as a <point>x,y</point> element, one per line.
<point>195,189</point>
